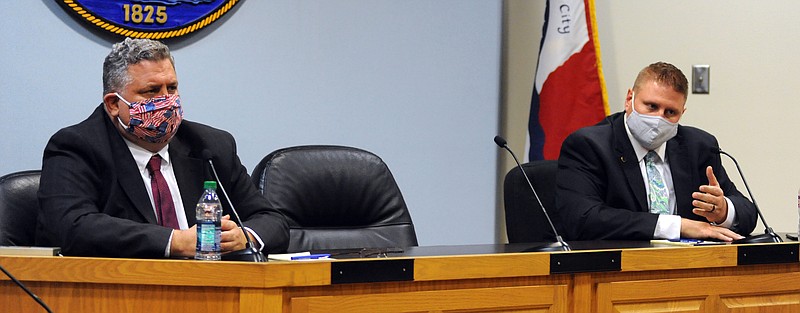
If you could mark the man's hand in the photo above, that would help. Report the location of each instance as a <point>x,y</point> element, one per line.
<point>184,242</point>
<point>231,238</point>
<point>710,201</point>
<point>702,230</point>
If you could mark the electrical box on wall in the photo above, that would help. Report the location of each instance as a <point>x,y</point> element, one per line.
<point>700,79</point>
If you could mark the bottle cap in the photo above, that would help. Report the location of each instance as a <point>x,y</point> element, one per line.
<point>210,184</point>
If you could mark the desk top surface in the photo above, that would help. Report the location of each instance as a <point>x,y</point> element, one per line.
<point>421,263</point>
<point>488,249</point>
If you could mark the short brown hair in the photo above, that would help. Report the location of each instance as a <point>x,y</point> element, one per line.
<point>663,72</point>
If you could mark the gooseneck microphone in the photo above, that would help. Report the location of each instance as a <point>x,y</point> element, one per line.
<point>561,244</point>
<point>249,253</point>
<point>28,291</point>
<point>769,235</point>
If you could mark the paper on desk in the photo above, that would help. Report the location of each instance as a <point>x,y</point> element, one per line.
<point>286,256</point>
<point>301,256</point>
<point>687,242</point>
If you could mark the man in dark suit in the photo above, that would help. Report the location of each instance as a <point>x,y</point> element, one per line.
<point>101,187</point>
<point>639,175</point>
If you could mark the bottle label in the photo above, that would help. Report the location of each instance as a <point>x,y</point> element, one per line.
<point>207,237</point>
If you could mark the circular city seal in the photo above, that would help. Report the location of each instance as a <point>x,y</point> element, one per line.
<point>154,19</point>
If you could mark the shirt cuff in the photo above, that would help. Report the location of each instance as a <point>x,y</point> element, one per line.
<point>731,215</point>
<point>668,227</point>
<point>259,244</point>
<point>169,244</point>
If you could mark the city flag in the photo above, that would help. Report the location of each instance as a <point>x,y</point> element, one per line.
<point>569,91</point>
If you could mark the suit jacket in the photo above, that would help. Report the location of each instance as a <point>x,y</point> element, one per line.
<point>600,192</point>
<point>94,203</point>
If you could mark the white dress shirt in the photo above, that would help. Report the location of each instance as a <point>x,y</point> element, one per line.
<point>142,157</point>
<point>668,225</point>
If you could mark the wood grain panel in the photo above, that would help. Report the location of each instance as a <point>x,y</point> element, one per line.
<point>102,298</point>
<point>167,272</point>
<point>777,303</point>
<point>680,279</point>
<point>134,271</point>
<point>583,293</point>
<point>682,306</point>
<point>294,274</point>
<point>260,300</point>
<point>683,257</point>
<point>481,266</point>
<point>738,293</point>
<point>507,299</point>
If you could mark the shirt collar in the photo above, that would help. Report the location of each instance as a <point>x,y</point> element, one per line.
<point>638,149</point>
<point>142,156</point>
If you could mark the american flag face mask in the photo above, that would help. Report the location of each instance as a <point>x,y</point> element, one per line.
<point>154,120</point>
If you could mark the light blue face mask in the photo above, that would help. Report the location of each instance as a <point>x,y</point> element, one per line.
<point>650,131</point>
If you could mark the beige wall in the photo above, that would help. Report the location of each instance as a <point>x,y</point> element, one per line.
<point>752,47</point>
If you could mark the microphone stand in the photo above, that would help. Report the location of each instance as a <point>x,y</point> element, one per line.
<point>249,253</point>
<point>769,234</point>
<point>561,245</point>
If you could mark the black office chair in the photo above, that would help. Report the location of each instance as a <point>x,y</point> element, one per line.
<point>19,207</point>
<point>335,197</point>
<point>525,221</point>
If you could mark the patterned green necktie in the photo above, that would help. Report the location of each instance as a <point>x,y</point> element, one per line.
<point>658,195</point>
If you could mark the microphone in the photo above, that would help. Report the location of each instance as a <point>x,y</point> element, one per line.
<point>561,245</point>
<point>249,253</point>
<point>28,291</point>
<point>769,235</point>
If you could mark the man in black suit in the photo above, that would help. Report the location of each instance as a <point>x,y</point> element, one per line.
<point>98,187</point>
<point>639,175</point>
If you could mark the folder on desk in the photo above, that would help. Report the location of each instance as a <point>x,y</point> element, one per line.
<point>29,251</point>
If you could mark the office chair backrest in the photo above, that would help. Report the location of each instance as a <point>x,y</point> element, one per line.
<point>525,221</point>
<point>19,207</point>
<point>335,197</point>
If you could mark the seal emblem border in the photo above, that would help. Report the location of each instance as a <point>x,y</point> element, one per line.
<point>73,6</point>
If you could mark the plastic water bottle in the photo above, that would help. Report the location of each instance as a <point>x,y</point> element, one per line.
<point>209,224</point>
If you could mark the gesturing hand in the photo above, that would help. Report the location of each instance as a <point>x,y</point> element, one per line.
<point>710,201</point>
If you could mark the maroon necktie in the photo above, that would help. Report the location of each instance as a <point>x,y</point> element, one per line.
<point>161,195</point>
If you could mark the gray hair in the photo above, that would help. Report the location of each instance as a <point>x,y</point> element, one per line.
<point>129,52</point>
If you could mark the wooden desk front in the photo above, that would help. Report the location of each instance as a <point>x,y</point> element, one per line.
<point>668,279</point>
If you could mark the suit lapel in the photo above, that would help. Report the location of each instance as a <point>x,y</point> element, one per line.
<point>680,166</point>
<point>629,163</point>
<point>190,173</point>
<point>128,175</point>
